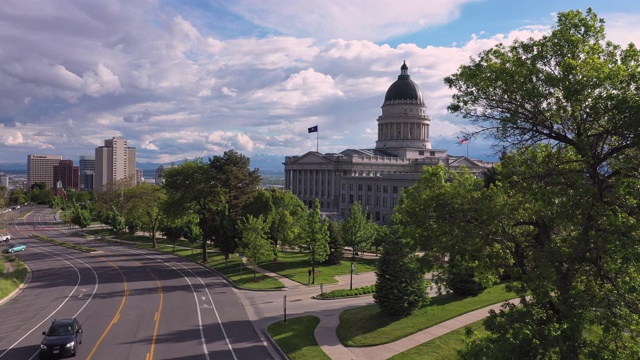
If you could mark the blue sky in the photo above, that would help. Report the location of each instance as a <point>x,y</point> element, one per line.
<point>185,79</point>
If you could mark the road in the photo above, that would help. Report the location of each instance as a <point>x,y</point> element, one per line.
<point>132,303</point>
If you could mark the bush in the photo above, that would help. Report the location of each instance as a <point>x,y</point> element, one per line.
<point>347,293</point>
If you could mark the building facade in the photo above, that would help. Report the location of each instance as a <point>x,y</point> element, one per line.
<point>159,174</point>
<point>66,176</point>
<point>87,166</point>
<point>114,161</point>
<point>376,177</point>
<point>40,169</point>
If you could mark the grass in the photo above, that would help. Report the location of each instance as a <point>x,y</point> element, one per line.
<point>295,266</point>
<point>366,326</point>
<point>12,280</point>
<point>296,339</point>
<point>443,347</point>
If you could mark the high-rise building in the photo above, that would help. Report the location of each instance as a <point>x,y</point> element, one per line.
<point>4,180</point>
<point>159,175</point>
<point>139,176</point>
<point>375,177</point>
<point>114,161</point>
<point>40,169</point>
<point>87,169</point>
<point>66,176</point>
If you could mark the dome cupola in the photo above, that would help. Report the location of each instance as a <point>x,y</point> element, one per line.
<point>404,90</point>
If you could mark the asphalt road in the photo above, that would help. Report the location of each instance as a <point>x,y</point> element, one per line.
<point>132,303</point>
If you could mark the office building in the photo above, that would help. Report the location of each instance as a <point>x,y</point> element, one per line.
<point>114,161</point>
<point>66,176</point>
<point>375,177</point>
<point>87,167</point>
<point>40,169</point>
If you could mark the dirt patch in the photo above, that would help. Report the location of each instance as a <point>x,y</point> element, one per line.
<point>8,267</point>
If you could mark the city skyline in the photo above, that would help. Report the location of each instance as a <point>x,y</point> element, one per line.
<point>181,80</point>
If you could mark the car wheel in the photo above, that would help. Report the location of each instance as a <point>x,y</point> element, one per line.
<point>10,251</point>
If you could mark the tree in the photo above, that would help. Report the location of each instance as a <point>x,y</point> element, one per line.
<point>336,244</point>
<point>80,217</point>
<point>116,221</point>
<point>191,230</point>
<point>562,216</point>
<point>316,238</point>
<point>358,232</point>
<point>400,284</point>
<point>173,230</point>
<point>254,243</point>
<point>191,190</point>
<point>144,204</point>
<point>237,185</point>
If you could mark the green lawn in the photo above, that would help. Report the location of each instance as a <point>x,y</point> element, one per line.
<point>443,347</point>
<point>12,280</point>
<point>366,326</point>
<point>296,339</point>
<point>296,265</point>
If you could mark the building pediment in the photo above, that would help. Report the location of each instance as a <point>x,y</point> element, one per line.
<point>311,157</point>
<point>466,162</point>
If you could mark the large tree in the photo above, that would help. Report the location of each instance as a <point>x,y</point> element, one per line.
<point>144,203</point>
<point>400,284</point>
<point>237,185</point>
<point>561,217</point>
<point>191,190</point>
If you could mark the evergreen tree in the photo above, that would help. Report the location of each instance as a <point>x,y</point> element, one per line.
<point>336,244</point>
<point>400,284</point>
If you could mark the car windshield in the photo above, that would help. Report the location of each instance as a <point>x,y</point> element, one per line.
<point>60,330</point>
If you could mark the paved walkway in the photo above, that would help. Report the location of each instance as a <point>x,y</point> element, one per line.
<point>327,338</point>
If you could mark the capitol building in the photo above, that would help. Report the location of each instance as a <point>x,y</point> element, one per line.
<point>375,177</point>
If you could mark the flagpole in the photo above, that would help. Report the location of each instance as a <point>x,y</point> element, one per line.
<point>467,148</point>
<point>317,137</point>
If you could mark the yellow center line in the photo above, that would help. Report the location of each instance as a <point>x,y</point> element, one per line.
<point>117,315</point>
<point>156,318</point>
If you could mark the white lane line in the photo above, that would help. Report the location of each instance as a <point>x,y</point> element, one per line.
<point>195,296</point>
<point>50,315</point>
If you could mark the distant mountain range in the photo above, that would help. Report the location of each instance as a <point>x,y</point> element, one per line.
<point>267,164</point>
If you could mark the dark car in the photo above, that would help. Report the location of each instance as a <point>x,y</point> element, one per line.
<point>62,339</point>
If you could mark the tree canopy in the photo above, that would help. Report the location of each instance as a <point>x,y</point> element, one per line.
<point>560,215</point>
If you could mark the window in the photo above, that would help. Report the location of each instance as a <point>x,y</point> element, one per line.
<point>378,188</point>
<point>360,199</point>
<point>350,198</point>
<point>377,200</point>
<point>359,187</point>
<point>369,187</point>
<point>368,199</point>
<point>377,215</point>
<point>385,189</point>
<point>351,187</point>
<point>343,198</point>
<point>394,189</point>
<point>385,202</point>
<point>421,152</point>
<point>384,218</point>
<point>344,186</point>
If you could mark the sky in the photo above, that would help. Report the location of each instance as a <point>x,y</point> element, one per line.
<point>186,79</point>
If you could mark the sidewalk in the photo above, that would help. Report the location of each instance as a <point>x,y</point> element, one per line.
<point>327,338</point>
